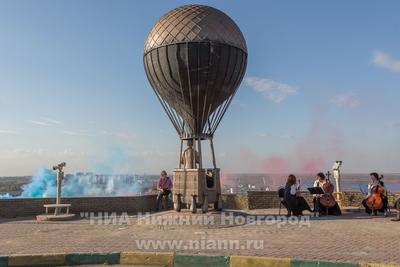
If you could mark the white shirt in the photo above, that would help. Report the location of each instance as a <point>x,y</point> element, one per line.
<point>317,183</point>
<point>293,189</point>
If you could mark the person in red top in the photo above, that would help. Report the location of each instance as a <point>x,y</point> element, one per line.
<point>164,186</point>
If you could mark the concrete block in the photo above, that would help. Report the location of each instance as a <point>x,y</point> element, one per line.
<point>3,261</point>
<point>319,263</point>
<point>250,261</point>
<point>147,258</point>
<point>37,260</point>
<point>92,258</point>
<point>364,264</point>
<point>185,260</point>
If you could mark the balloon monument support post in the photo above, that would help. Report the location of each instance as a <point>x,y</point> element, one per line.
<point>195,57</point>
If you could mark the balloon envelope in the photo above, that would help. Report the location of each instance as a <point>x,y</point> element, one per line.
<point>195,58</point>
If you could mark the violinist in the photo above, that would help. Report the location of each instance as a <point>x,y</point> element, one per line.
<point>325,204</point>
<point>376,200</point>
<point>294,203</point>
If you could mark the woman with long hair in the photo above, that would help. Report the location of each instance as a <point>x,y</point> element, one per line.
<point>374,187</point>
<point>295,203</point>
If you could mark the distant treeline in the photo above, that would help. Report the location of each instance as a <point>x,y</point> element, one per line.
<point>13,185</point>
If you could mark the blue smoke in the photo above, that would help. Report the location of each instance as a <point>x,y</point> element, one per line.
<point>7,195</point>
<point>44,184</point>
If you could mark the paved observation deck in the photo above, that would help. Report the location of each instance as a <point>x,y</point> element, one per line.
<point>352,237</point>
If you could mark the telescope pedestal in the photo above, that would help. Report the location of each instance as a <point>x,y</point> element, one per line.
<point>196,188</point>
<point>340,199</point>
<point>58,216</point>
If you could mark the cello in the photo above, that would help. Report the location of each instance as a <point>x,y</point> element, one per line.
<point>375,201</point>
<point>327,200</point>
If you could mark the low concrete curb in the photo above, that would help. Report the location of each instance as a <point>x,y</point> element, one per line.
<point>92,258</point>
<point>3,261</point>
<point>148,258</point>
<point>239,261</point>
<point>170,259</point>
<point>37,259</point>
<point>184,260</point>
<point>362,264</point>
<point>319,263</point>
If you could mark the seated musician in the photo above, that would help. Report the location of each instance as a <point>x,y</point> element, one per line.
<point>397,207</point>
<point>376,186</point>
<point>325,204</point>
<point>294,203</point>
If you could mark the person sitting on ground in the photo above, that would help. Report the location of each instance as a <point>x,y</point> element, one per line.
<point>319,207</point>
<point>164,186</point>
<point>294,203</point>
<point>397,207</point>
<point>376,184</point>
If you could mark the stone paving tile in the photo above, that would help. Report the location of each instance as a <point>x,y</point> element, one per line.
<point>351,237</point>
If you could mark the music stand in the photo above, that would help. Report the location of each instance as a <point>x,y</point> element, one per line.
<point>316,191</point>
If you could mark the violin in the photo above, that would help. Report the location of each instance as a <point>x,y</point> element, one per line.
<point>327,199</point>
<point>375,201</point>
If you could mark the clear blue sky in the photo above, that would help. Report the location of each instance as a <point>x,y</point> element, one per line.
<point>322,84</point>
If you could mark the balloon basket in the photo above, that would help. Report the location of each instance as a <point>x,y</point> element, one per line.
<point>197,188</point>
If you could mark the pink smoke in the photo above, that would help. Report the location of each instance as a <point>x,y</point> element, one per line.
<point>320,146</point>
<point>275,164</point>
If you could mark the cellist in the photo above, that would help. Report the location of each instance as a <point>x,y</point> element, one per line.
<point>325,203</point>
<point>376,194</point>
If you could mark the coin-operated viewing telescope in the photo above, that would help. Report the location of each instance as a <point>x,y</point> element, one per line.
<point>195,58</point>
<point>59,167</point>
<point>60,178</point>
<point>336,174</point>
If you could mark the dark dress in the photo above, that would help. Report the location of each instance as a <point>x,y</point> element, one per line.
<point>295,204</point>
<point>322,210</point>
<point>335,210</point>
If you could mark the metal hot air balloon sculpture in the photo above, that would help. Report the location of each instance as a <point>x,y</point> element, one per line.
<point>195,58</point>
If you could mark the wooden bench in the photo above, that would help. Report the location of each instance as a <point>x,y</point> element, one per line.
<point>56,206</point>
